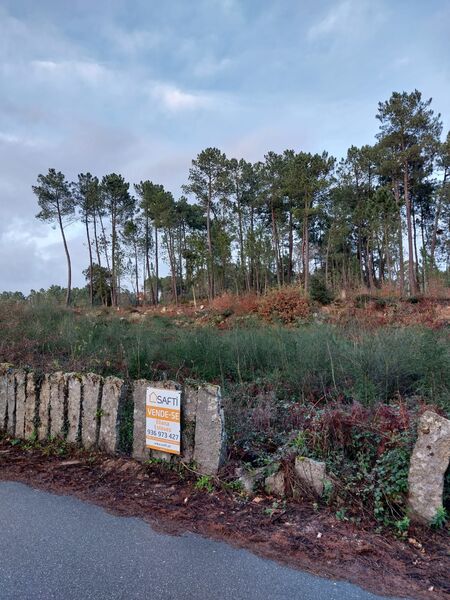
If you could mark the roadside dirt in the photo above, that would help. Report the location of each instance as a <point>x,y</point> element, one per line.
<point>296,535</point>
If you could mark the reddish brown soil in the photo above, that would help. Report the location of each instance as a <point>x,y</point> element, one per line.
<point>417,567</point>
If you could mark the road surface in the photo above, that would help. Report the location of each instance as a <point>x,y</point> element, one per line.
<point>57,547</point>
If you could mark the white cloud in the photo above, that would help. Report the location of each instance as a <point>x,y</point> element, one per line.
<point>210,66</point>
<point>89,71</point>
<point>133,41</point>
<point>175,99</point>
<point>334,20</point>
<point>10,138</point>
<point>402,61</point>
<point>348,18</point>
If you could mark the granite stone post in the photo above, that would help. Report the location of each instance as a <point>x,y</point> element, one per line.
<point>92,385</point>
<point>210,439</point>
<point>30,406</point>
<point>11,402</point>
<point>312,473</point>
<point>20,383</point>
<point>429,462</point>
<point>188,419</point>
<point>4,369</point>
<point>57,401</point>
<point>113,396</point>
<point>140,452</point>
<point>73,390</point>
<point>44,409</point>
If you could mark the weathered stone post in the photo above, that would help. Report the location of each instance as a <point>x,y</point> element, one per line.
<point>44,409</point>
<point>20,383</point>
<point>188,420</point>
<point>140,452</point>
<point>210,439</point>
<point>11,401</point>
<point>4,382</point>
<point>30,406</point>
<point>92,385</point>
<point>429,461</point>
<point>113,395</point>
<point>73,388</point>
<point>57,401</point>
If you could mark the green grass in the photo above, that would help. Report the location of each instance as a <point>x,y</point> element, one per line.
<point>309,361</point>
<point>286,389</point>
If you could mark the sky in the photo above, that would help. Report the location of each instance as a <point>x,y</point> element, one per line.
<point>140,87</point>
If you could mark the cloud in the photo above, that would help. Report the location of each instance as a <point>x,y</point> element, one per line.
<point>133,41</point>
<point>208,66</point>
<point>333,21</point>
<point>88,71</point>
<point>348,18</point>
<point>11,138</point>
<point>175,99</point>
<point>114,81</point>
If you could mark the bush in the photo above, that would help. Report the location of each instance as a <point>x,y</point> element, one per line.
<point>285,305</point>
<point>320,292</point>
<point>363,300</point>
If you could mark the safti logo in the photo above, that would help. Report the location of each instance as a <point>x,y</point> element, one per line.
<point>163,400</point>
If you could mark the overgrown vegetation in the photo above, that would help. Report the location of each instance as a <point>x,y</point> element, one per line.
<point>305,363</point>
<point>343,394</point>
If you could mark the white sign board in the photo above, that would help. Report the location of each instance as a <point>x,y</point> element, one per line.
<point>162,427</point>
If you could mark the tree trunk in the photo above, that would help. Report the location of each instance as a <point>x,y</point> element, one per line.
<point>147,259</point>
<point>327,282</point>
<point>241,240</point>
<point>424,252</point>
<point>105,244</point>
<point>305,249</point>
<point>97,249</point>
<point>91,287</point>
<point>275,245</point>
<point>436,220</point>
<point>416,261</point>
<point>113,259</point>
<point>411,273</point>
<point>291,247</point>
<point>400,238</point>
<point>156,265</point>
<point>104,296</point>
<point>251,276</point>
<point>168,237</point>
<point>136,272</point>
<point>370,265</point>
<point>66,250</point>
<point>210,249</point>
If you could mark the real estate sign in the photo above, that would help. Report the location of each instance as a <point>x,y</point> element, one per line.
<point>163,411</point>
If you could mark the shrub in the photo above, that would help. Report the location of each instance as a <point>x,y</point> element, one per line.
<point>319,291</point>
<point>363,300</point>
<point>285,305</point>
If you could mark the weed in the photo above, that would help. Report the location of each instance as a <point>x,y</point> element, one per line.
<point>402,526</point>
<point>440,518</point>
<point>328,489</point>
<point>276,505</point>
<point>341,514</point>
<point>205,484</point>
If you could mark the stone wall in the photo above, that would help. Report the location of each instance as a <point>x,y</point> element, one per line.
<point>429,462</point>
<point>91,411</point>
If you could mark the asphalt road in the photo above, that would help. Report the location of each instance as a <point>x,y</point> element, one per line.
<point>57,547</point>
